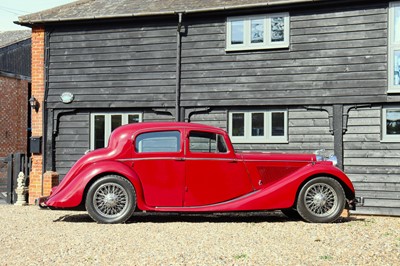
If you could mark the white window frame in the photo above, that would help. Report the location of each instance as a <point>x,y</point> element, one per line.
<point>267,138</point>
<point>392,47</point>
<point>385,136</point>
<point>107,125</point>
<point>267,43</point>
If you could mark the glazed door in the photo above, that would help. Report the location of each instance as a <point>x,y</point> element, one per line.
<point>160,166</point>
<point>213,174</point>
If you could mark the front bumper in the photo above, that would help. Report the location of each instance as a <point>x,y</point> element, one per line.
<point>41,202</point>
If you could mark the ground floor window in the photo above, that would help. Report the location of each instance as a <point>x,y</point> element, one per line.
<point>102,124</point>
<point>258,126</point>
<point>391,124</point>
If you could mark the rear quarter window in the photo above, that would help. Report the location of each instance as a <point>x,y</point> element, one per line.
<point>162,141</point>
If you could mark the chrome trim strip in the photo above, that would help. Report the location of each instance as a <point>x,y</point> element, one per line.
<point>204,159</point>
<point>176,158</point>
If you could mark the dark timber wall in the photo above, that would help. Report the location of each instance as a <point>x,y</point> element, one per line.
<point>130,65</point>
<point>16,58</point>
<point>372,165</point>
<point>336,55</point>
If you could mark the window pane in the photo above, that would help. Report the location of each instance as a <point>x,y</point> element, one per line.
<point>397,24</point>
<point>257,31</point>
<point>278,124</point>
<point>257,124</point>
<point>165,141</point>
<point>206,142</point>
<point>238,124</point>
<point>393,122</point>
<point>133,119</point>
<point>277,29</point>
<point>116,121</point>
<point>237,32</point>
<point>99,128</point>
<point>397,67</point>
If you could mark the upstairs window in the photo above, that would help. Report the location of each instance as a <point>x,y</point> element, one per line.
<point>102,124</point>
<point>258,126</point>
<point>258,32</point>
<point>391,124</point>
<point>394,47</point>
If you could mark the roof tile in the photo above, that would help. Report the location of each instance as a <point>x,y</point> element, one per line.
<point>97,9</point>
<point>10,37</point>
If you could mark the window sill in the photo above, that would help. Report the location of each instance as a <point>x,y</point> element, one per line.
<point>260,142</point>
<point>245,48</point>
<point>390,140</point>
<point>393,88</point>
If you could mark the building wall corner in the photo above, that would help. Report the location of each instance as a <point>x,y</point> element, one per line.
<point>38,90</point>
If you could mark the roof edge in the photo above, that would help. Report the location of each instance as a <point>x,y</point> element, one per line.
<point>21,21</point>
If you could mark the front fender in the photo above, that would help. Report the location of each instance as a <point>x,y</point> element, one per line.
<point>71,195</point>
<point>283,193</point>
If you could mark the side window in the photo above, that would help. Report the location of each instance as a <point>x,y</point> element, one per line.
<point>391,124</point>
<point>258,126</point>
<point>206,142</point>
<point>266,31</point>
<point>394,47</point>
<point>162,141</point>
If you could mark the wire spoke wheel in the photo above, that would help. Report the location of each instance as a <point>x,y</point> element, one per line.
<point>321,200</point>
<point>110,199</point>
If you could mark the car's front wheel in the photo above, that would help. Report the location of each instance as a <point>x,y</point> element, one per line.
<point>111,199</point>
<point>321,200</point>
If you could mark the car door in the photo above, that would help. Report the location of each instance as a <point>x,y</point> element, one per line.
<point>213,174</point>
<point>159,164</point>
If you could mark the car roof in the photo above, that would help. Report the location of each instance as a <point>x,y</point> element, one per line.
<point>167,125</point>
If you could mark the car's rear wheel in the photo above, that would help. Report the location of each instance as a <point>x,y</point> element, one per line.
<point>111,199</point>
<point>321,200</point>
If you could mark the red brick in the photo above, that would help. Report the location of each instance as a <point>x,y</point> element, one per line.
<point>38,84</point>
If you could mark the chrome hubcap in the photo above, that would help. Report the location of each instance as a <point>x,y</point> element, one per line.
<point>110,199</point>
<point>321,199</point>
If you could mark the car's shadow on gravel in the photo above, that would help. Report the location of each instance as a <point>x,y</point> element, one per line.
<point>253,217</point>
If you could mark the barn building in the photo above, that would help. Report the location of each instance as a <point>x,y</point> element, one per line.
<point>292,76</point>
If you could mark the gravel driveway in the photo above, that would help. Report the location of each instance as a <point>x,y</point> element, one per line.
<point>30,236</point>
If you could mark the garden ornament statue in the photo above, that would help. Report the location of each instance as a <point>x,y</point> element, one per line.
<point>21,190</point>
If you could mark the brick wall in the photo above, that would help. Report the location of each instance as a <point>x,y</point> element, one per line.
<point>14,115</point>
<point>38,86</point>
<point>13,120</point>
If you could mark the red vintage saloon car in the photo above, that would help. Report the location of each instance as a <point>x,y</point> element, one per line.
<point>186,167</point>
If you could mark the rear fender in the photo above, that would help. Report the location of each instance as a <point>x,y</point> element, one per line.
<point>72,195</point>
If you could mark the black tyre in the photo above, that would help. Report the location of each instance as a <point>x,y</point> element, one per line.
<point>321,200</point>
<point>111,199</point>
<point>291,213</point>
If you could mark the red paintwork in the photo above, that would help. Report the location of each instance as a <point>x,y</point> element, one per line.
<point>194,182</point>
